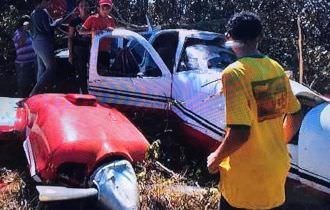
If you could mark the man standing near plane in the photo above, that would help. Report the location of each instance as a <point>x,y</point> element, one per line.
<point>95,24</point>
<point>262,115</point>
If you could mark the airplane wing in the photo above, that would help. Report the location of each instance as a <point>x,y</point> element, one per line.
<point>10,118</point>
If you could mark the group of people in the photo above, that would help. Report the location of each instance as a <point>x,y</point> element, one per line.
<point>35,60</point>
<point>262,113</point>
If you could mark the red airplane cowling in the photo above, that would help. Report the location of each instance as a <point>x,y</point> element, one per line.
<point>76,129</point>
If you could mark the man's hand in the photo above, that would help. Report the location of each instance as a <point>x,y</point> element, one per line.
<point>85,32</point>
<point>98,32</point>
<point>56,22</point>
<point>213,163</point>
<point>235,137</point>
<point>109,29</point>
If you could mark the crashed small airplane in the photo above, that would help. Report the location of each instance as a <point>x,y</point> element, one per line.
<point>76,147</point>
<point>75,141</point>
<point>179,70</point>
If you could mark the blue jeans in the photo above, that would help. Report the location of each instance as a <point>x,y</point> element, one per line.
<point>26,77</point>
<point>44,48</point>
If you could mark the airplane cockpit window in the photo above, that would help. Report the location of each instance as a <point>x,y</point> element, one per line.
<point>203,57</point>
<point>205,53</point>
<point>125,58</point>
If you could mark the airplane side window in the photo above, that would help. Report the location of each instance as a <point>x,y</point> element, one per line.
<point>129,59</point>
<point>115,59</point>
<point>137,50</point>
<point>166,46</point>
<point>108,49</point>
<point>150,68</point>
<point>125,64</point>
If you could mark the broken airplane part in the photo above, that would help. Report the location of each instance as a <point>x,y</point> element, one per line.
<point>72,140</point>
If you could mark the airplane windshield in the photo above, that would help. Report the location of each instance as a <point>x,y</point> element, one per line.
<point>206,57</point>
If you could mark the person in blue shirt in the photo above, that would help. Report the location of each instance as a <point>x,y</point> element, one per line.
<point>25,62</point>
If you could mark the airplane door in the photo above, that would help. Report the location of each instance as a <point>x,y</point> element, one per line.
<point>133,74</point>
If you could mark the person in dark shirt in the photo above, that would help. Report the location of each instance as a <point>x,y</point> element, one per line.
<point>79,45</point>
<point>42,33</point>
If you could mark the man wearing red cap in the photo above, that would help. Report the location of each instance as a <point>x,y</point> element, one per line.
<point>98,22</point>
<point>102,20</point>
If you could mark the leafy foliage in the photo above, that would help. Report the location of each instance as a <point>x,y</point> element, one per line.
<point>279,17</point>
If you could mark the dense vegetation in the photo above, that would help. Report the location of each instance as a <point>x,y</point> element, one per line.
<point>280,21</point>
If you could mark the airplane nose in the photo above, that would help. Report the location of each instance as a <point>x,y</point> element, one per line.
<point>117,185</point>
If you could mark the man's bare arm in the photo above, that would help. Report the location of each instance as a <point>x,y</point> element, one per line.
<point>236,136</point>
<point>84,31</point>
<point>291,125</point>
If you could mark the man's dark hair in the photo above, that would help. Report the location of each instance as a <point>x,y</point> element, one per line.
<point>244,26</point>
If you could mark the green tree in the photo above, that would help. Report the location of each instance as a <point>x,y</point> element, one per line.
<point>279,17</point>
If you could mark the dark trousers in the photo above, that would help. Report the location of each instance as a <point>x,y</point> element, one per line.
<point>224,205</point>
<point>44,48</point>
<point>80,61</point>
<point>26,78</point>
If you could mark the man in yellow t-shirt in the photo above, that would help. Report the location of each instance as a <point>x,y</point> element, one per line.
<point>262,115</point>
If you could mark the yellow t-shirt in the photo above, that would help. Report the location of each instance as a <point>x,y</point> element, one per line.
<point>258,94</point>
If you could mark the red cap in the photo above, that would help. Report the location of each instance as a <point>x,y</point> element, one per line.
<point>107,2</point>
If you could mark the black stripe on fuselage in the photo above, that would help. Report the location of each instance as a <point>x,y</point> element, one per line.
<point>309,177</point>
<point>116,91</point>
<point>184,109</point>
<point>205,123</point>
<point>135,95</point>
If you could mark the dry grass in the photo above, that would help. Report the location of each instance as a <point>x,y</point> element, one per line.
<point>11,190</point>
<point>161,187</point>
<point>16,191</point>
<point>158,191</point>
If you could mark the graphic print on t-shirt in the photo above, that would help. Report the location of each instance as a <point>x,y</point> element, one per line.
<point>270,96</point>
